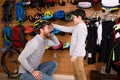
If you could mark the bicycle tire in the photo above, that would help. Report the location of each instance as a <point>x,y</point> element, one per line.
<point>9,62</point>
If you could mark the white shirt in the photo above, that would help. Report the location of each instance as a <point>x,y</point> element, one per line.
<point>78,38</point>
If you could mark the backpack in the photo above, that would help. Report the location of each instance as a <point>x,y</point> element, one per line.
<point>20,12</point>
<point>33,3</point>
<point>18,38</point>
<point>44,3</point>
<point>52,3</point>
<point>7,9</point>
<point>7,35</point>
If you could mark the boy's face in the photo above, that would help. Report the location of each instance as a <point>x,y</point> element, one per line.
<point>76,19</point>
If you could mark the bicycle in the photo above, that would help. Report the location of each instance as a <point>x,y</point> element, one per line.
<point>9,62</point>
<point>9,58</point>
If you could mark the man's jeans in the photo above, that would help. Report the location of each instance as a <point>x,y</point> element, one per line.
<point>47,69</point>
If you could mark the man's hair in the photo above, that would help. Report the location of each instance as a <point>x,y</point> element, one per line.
<point>80,12</point>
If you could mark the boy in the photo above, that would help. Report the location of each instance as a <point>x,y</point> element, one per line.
<point>78,38</point>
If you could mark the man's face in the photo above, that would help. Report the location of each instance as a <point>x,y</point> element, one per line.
<point>47,30</point>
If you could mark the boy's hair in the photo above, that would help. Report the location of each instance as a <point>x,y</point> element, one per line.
<point>80,12</point>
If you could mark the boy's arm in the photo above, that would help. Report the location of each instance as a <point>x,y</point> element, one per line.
<point>63,28</point>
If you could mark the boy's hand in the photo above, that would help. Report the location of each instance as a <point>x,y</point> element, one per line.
<point>37,75</point>
<point>73,58</point>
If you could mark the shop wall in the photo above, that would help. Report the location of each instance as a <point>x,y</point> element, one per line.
<point>62,56</point>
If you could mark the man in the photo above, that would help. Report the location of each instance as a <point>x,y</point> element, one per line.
<point>30,57</point>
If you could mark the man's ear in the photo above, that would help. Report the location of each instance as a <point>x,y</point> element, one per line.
<point>41,30</point>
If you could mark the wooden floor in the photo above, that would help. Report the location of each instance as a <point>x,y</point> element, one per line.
<point>3,76</point>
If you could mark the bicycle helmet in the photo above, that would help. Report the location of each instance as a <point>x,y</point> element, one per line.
<point>74,2</point>
<point>40,24</point>
<point>60,46</point>
<point>47,47</point>
<point>48,15</point>
<point>66,45</point>
<point>84,4</point>
<point>59,14</point>
<point>69,16</point>
<point>61,3</point>
<point>28,29</point>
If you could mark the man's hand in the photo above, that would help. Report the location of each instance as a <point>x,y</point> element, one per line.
<point>37,75</point>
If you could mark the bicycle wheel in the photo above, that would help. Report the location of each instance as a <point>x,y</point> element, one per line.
<point>9,62</point>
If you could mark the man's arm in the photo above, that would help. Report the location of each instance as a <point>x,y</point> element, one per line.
<point>28,50</point>
<point>53,41</point>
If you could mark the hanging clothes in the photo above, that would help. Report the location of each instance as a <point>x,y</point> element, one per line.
<point>99,33</point>
<point>115,52</point>
<point>107,40</point>
<point>92,41</point>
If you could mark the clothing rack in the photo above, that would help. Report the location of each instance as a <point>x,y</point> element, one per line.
<point>109,16</point>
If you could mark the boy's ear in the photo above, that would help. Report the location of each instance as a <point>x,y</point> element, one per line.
<point>80,17</point>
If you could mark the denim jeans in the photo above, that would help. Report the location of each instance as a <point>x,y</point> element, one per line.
<point>47,69</point>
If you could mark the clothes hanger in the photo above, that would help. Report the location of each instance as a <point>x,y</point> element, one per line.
<point>74,2</point>
<point>109,17</point>
<point>61,3</point>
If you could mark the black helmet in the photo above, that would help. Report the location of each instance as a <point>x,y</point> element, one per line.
<point>40,24</point>
<point>69,16</point>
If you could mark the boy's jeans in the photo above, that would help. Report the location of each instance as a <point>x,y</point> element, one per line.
<point>47,69</point>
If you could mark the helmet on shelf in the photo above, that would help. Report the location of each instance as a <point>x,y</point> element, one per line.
<point>28,29</point>
<point>59,14</point>
<point>48,15</point>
